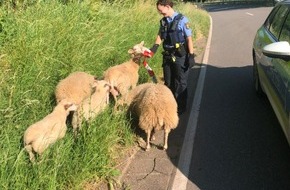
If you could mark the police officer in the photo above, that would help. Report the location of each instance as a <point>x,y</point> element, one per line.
<point>176,38</point>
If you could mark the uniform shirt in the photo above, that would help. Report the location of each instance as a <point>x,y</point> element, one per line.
<point>182,25</point>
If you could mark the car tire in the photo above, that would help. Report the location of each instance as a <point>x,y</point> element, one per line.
<point>257,83</point>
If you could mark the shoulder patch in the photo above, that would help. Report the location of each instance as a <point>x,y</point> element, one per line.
<point>187,25</point>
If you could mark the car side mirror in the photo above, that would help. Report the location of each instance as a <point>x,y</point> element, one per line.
<point>277,50</point>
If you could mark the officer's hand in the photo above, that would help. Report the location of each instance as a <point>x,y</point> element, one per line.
<point>153,50</point>
<point>191,60</point>
<point>148,53</point>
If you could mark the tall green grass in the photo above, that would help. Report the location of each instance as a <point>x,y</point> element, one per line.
<point>41,44</point>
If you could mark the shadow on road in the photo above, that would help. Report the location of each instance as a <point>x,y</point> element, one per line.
<point>239,143</point>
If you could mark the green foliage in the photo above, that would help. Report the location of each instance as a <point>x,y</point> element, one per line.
<point>41,42</point>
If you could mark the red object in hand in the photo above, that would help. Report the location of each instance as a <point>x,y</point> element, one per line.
<point>148,68</point>
<point>150,71</point>
<point>148,53</point>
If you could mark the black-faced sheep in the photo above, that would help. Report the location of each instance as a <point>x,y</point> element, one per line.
<point>125,76</point>
<point>156,108</point>
<point>92,105</point>
<point>45,132</point>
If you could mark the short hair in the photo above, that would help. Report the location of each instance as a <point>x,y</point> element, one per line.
<point>164,3</point>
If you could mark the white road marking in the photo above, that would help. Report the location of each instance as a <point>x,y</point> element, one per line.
<point>181,177</point>
<point>249,14</point>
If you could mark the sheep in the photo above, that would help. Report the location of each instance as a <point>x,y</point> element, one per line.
<point>155,107</point>
<point>75,87</point>
<point>47,131</point>
<point>92,105</point>
<point>127,99</point>
<point>124,77</point>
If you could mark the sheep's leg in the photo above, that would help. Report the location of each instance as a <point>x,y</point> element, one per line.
<point>30,152</point>
<point>153,135</point>
<point>116,103</point>
<point>76,123</point>
<point>115,98</point>
<point>116,107</point>
<point>166,132</point>
<point>148,132</point>
<point>107,98</point>
<point>79,125</point>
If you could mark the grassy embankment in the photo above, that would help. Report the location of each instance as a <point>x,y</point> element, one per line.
<point>42,44</point>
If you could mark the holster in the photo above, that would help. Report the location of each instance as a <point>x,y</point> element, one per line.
<point>180,51</point>
<point>177,52</point>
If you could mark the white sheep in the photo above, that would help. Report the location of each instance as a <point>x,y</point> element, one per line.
<point>92,105</point>
<point>47,131</point>
<point>156,108</point>
<point>125,76</point>
<point>75,87</point>
<point>127,99</point>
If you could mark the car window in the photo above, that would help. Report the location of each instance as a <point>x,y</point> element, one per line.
<point>278,20</point>
<point>271,17</point>
<point>285,33</point>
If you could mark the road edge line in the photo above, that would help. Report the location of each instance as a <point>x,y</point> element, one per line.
<point>181,177</point>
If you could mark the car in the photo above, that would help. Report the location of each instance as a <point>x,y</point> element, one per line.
<point>277,1</point>
<point>271,62</point>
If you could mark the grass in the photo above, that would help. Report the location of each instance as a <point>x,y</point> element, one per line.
<point>41,44</point>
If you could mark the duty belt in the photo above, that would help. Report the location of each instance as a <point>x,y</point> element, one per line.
<point>177,50</point>
<point>169,55</point>
<point>172,47</point>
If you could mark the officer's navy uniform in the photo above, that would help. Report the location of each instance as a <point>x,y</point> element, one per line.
<point>174,31</point>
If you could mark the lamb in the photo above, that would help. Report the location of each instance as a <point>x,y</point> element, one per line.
<point>155,107</point>
<point>47,131</point>
<point>92,105</point>
<point>125,76</point>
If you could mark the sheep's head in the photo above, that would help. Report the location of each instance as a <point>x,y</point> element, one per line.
<point>114,90</point>
<point>66,105</point>
<point>70,107</point>
<point>102,85</point>
<point>105,87</point>
<point>94,85</point>
<point>138,50</point>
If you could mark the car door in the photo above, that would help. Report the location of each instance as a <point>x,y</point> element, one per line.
<point>282,67</point>
<point>277,70</point>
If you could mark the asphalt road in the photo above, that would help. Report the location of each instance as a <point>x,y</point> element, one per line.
<point>238,144</point>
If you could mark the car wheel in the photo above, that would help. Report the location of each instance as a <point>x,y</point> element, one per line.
<point>257,83</point>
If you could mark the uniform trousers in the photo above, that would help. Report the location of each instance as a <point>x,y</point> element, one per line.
<point>175,71</point>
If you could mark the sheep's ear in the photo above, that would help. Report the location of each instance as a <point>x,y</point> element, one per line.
<point>142,43</point>
<point>94,88</point>
<point>95,84</point>
<point>108,85</point>
<point>66,106</point>
<point>70,107</point>
<point>131,51</point>
<point>115,90</point>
